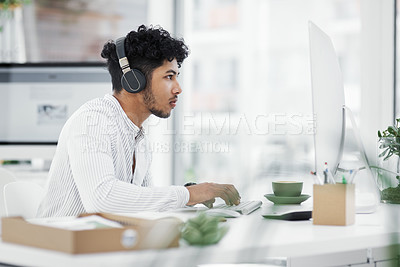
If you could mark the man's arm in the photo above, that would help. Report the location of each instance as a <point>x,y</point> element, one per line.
<point>92,165</point>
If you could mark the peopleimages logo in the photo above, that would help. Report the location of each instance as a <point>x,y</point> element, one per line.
<point>202,132</point>
<point>233,124</point>
<point>187,147</point>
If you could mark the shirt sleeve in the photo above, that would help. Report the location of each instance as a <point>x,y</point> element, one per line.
<point>90,155</point>
<point>148,180</point>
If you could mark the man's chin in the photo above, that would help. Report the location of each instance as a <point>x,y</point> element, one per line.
<point>160,114</point>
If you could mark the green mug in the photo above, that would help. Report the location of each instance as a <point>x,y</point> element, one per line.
<point>287,188</point>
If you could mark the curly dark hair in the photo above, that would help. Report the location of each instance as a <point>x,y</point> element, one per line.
<point>146,49</point>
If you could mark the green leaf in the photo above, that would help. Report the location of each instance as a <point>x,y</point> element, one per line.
<point>379,134</point>
<point>385,133</point>
<point>210,226</point>
<point>203,230</point>
<point>388,155</point>
<point>211,238</point>
<point>383,153</point>
<point>392,130</point>
<point>192,235</point>
<point>384,145</point>
<point>397,140</point>
<point>386,141</point>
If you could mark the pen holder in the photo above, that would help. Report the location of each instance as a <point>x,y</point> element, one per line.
<point>334,204</point>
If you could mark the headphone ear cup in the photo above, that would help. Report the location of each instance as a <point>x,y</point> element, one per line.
<point>133,81</point>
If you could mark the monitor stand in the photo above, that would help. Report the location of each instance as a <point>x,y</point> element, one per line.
<point>367,192</point>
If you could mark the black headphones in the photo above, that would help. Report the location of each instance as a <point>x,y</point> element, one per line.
<point>133,80</point>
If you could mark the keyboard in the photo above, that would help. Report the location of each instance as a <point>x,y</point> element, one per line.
<point>245,207</point>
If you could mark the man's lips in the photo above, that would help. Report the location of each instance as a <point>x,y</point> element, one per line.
<point>173,102</point>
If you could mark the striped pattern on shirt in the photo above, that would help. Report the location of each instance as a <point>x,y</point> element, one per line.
<point>92,168</point>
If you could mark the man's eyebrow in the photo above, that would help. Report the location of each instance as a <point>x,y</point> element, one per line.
<point>173,72</point>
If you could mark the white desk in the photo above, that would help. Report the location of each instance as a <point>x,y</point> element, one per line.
<point>251,239</point>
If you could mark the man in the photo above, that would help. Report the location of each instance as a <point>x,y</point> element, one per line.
<point>102,160</point>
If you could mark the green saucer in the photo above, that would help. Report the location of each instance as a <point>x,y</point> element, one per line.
<point>286,200</point>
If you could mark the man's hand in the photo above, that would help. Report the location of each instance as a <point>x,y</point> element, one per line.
<point>206,193</point>
<point>209,203</point>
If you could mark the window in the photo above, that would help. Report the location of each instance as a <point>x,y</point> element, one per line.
<point>67,31</point>
<point>246,86</point>
<point>63,34</point>
<point>245,112</point>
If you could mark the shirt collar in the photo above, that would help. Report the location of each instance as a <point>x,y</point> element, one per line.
<point>138,131</point>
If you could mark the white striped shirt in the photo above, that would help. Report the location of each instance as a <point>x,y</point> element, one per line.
<point>92,168</point>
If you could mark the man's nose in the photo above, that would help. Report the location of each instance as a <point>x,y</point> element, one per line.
<point>177,89</point>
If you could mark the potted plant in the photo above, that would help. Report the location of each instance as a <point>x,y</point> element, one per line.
<point>388,171</point>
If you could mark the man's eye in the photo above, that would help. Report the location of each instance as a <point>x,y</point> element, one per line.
<point>169,77</point>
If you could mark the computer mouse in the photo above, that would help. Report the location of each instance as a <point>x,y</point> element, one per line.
<point>223,213</point>
<point>301,215</point>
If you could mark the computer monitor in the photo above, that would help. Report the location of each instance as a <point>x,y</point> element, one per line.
<point>330,118</point>
<point>328,101</point>
<point>36,101</point>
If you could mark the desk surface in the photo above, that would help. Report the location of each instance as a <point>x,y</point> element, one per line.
<point>251,238</point>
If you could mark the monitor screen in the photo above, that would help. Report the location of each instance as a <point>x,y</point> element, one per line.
<point>328,101</point>
<point>36,101</point>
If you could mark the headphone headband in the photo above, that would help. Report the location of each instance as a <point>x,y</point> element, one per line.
<point>123,61</point>
<point>133,80</point>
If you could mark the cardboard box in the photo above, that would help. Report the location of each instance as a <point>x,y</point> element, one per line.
<point>136,234</point>
<point>334,204</point>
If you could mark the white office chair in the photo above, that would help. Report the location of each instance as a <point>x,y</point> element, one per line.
<point>22,199</point>
<point>5,178</point>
